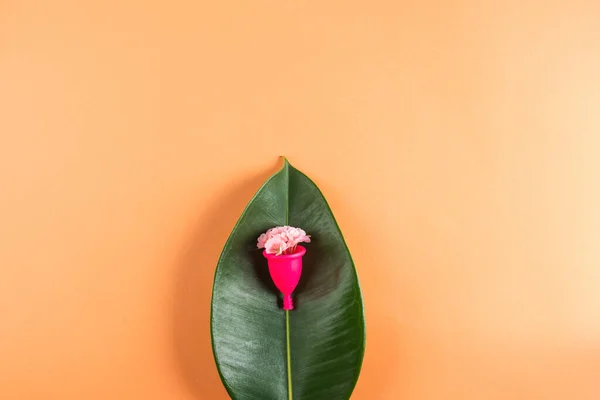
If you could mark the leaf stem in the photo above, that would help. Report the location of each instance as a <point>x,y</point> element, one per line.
<point>289,356</point>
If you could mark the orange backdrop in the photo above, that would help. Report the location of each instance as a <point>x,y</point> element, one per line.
<point>457,141</point>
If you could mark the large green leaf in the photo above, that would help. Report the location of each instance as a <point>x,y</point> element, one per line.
<point>262,352</point>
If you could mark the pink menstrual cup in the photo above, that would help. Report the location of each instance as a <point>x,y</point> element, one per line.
<point>285,272</point>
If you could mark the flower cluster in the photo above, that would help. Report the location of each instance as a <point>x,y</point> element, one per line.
<point>282,240</point>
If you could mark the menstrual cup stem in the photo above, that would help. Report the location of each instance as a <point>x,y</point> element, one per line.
<point>288,304</point>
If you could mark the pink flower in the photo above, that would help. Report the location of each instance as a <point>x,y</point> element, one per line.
<point>276,231</point>
<point>276,245</point>
<point>282,239</point>
<point>262,240</point>
<point>304,239</point>
<point>296,235</point>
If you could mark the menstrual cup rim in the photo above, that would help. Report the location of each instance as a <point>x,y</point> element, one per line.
<point>300,251</point>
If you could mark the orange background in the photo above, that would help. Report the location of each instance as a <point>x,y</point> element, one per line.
<point>458,143</point>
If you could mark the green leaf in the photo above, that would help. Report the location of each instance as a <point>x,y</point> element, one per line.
<point>262,352</point>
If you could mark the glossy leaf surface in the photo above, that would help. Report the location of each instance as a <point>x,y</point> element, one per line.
<point>249,328</point>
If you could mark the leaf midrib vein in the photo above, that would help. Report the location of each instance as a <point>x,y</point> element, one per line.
<point>287,313</point>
